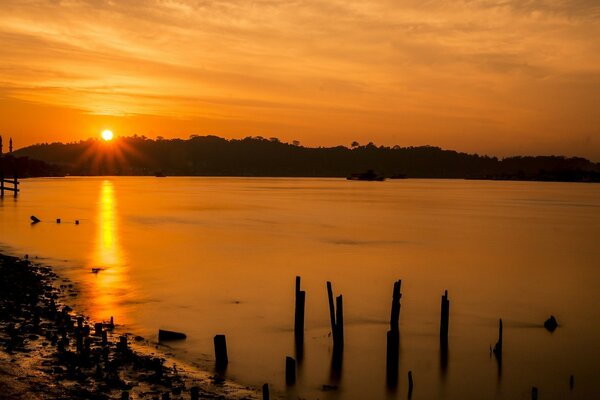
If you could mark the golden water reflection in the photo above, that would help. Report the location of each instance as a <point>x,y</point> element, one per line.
<point>110,283</point>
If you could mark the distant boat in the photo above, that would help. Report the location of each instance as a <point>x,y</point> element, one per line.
<point>370,175</point>
<point>160,174</point>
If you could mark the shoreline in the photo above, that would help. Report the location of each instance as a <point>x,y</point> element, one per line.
<point>49,351</point>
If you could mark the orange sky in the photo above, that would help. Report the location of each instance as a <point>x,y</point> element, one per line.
<point>495,77</point>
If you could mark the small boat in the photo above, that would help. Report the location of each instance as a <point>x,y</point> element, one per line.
<point>370,175</point>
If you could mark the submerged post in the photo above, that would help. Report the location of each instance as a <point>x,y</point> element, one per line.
<point>221,359</point>
<point>395,315</point>
<point>339,324</point>
<point>445,316</point>
<point>393,339</point>
<point>331,307</point>
<point>410,384</point>
<point>1,184</point>
<point>265,391</point>
<point>498,346</point>
<point>299,314</point>
<point>336,314</point>
<point>290,371</point>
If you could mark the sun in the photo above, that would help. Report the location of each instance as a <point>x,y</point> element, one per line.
<point>107,135</point>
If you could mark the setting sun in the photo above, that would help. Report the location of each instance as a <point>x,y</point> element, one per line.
<point>107,135</point>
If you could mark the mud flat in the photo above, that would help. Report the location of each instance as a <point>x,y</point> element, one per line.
<point>49,351</point>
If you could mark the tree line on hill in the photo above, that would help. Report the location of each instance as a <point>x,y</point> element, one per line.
<point>258,156</point>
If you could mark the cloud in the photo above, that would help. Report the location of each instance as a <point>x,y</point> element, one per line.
<point>410,71</point>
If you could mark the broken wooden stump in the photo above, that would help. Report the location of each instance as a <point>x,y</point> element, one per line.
<point>410,384</point>
<point>339,322</point>
<point>395,314</point>
<point>98,329</point>
<point>290,371</point>
<point>393,339</point>
<point>299,311</point>
<point>336,314</point>
<point>444,320</point>
<point>265,391</point>
<point>534,393</point>
<point>498,346</point>
<point>221,359</point>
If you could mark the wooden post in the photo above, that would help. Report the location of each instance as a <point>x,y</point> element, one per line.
<point>1,184</point>
<point>220,351</point>
<point>445,315</point>
<point>339,324</point>
<point>299,312</point>
<point>331,308</point>
<point>571,382</point>
<point>290,371</point>
<point>395,315</point>
<point>391,359</point>
<point>16,185</point>
<point>265,391</point>
<point>498,346</point>
<point>534,393</point>
<point>410,384</point>
<point>98,329</point>
<point>194,393</point>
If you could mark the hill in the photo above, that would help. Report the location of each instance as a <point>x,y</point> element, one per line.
<point>257,156</point>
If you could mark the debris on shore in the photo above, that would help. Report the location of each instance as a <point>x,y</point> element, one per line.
<point>47,351</point>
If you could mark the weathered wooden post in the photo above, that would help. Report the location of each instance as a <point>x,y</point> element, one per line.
<point>410,384</point>
<point>1,184</point>
<point>498,346</point>
<point>393,338</point>
<point>395,315</point>
<point>571,382</point>
<point>339,323</point>
<point>534,393</point>
<point>220,351</point>
<point>194,393</point>
<point>445,316</point>
<point>299,314</point>
<point>16,183</point>
<point>290,371</point>
<point>336,314</point>
<point>331,307</point>
<point>98,329</point>
<point>265,391</point>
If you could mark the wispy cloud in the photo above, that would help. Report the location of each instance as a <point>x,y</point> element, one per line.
<point>480,75</point>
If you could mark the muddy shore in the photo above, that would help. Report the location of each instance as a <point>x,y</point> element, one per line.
<point>49,351</point>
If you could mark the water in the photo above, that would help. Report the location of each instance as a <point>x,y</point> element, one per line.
<point>219,255</point>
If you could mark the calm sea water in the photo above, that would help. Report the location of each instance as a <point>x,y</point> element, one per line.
<point>219,255</point>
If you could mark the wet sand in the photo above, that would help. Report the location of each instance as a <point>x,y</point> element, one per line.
<point>49,351</point>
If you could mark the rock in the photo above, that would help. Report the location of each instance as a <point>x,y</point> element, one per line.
<point>550,324</point>
<point>164,335</point>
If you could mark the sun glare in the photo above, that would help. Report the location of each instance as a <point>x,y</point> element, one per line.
<point>107,135</point>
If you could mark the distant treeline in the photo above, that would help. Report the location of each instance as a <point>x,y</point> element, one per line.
<point>257,156</point>
<point>24,167</point>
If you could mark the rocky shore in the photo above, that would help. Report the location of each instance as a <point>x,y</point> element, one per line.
<point>48,351</point>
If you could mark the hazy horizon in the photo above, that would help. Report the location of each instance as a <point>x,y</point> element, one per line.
<point>486,77</point>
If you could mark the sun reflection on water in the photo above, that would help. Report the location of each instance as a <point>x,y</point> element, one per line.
<point>110,283</point>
